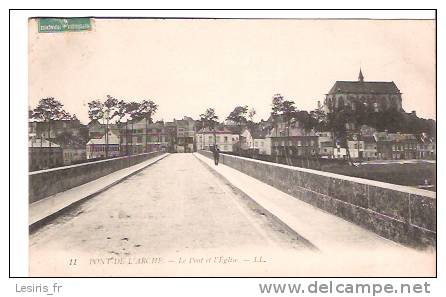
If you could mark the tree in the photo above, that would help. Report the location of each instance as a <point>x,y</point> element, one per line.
<point>251,114</point>
<point>95,110</point>
<point>121,112</point>
<point>318,119</point>
<point>337,122</point>
<point>110,109</point>
<point>277,104</point>
<point>209,120</point>
<point>134,111</point>
<point>284,108</point>
<point>103,110</point>
<point>147,109</point>
<point>251,125</point>
<point>287,110</point>
<point>49,109</point>
<point>238,116</point>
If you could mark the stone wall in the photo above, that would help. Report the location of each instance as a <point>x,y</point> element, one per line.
<point>48,182</point>
<point>400,213</point>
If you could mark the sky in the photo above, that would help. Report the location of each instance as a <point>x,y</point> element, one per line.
<point>186,66</point>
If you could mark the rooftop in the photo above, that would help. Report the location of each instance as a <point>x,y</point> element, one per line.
<point>365,87</point>
<point>39,142</point>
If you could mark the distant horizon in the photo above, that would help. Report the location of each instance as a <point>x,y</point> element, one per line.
<point>187,66</point>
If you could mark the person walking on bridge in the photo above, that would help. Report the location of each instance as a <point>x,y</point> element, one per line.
<point>216,155</point>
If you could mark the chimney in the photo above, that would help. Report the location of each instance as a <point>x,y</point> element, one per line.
<point>414,113</point>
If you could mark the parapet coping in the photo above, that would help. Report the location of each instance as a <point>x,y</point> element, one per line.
<point>359,180</point>
<point>83,164</point>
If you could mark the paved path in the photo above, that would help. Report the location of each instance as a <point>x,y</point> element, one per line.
<point>174,208</point>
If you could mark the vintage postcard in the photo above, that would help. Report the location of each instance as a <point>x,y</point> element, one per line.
<point>232,147</point>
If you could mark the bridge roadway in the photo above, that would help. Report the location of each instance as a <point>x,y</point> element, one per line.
<point>173,216</point>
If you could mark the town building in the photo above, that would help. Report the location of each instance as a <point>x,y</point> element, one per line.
<point>396,146</point>
<point>52,129</point>
<point>137,137</point>
<point>256,140</point>
<point>339,153</point>
<point>96,148</point>
<point>370,147</point>
<point>426,147</point>
<point>262,143</point>
<point>246,139</point>
<point>43,154</point>
<point>293,141</point>
<point>356,147</point>
<point>95,129</point>
<point>373,95</point>
<point>171,136</point>
<point>185,135</point>
<point>326,144</point>
<point>225,139</point>
<point>157,137</point>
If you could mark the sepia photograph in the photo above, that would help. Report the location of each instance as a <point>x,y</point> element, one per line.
<point>231,147</point>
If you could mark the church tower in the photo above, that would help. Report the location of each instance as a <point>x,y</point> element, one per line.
<point>360,77</point>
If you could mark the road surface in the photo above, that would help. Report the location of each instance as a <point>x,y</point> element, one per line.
<point>174,208</point>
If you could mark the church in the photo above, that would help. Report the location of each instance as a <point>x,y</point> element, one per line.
<point>374,95</point>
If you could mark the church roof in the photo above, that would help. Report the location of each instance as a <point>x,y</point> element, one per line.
<point>365,87</point>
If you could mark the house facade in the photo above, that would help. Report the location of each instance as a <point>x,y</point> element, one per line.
<point>96,148</point>
<point>185,135</point>
<point>224,139</point>
<point>293,141</point>
<point>326,144</point>
<point>396,146</point>
<point>370,148</point>
<point>54,128</point>
<point>426,147</point>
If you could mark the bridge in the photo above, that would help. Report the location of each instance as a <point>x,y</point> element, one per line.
<point>242,217</point>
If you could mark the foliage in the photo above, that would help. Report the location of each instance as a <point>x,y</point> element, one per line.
<point>133,109</point>
<point>209,119</point>
<point>147,109</point>
<point>95,110</point>
<point>251,114</point>
<point>49,109</point>
<point>238,115</point>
